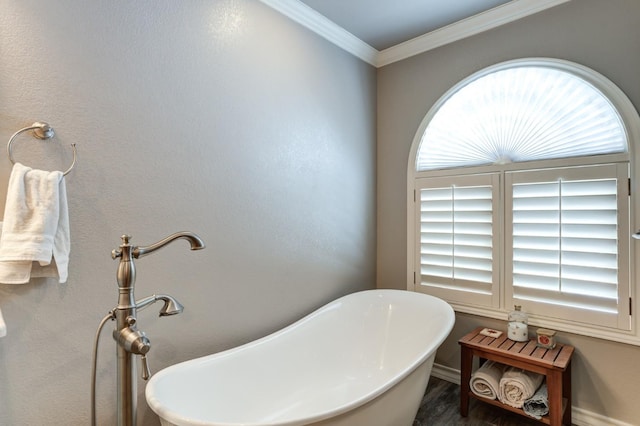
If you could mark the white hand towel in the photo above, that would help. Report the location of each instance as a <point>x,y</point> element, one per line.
<point>20,272</point>
<point>485,382</point>
<point>36,225</point>
<point>517,385</point>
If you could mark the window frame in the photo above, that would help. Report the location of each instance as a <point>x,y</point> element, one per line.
<point>631,122</point>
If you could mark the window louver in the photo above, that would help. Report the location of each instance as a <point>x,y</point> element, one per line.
<point>520,114</point>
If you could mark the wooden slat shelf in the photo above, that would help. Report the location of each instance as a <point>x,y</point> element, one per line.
<point>545,419</point>
<point>554,363</point>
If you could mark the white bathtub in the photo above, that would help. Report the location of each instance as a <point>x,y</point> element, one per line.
<point>363,359</point>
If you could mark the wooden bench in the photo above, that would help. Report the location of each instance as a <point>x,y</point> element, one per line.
<point>554,363</point>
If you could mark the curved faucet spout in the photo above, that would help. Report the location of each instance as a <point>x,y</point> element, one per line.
<point>195,241</point>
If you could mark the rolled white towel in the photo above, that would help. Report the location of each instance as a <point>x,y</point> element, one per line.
<point>485,382</point>
<point>517,385</point>
<point>538,405</point>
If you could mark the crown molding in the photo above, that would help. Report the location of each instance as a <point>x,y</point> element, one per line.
<point>501,15</point>
<point>319,24</point>
<point>314,21</point>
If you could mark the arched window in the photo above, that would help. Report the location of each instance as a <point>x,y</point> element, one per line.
<point>519,195</point>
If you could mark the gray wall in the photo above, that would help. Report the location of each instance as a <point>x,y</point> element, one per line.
<point>604,36</point>
<point>217,116</point>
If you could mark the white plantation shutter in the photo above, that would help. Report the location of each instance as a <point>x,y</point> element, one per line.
<point>567,242</point>
<point>456,246</point>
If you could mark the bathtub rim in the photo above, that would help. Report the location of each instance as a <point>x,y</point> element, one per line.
<point>180,419</point>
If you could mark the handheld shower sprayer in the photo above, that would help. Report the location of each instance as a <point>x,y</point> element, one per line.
<point>171,305</point>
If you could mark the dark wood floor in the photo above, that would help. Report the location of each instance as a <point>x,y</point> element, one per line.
<point>441,407</point>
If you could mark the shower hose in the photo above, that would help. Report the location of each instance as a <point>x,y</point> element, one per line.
<point>110,316</point>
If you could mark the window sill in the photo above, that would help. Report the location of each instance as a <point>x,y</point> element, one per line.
<point>627,337</point>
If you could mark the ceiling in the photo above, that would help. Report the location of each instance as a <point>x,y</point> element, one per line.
<point>385,23</point>
<point>382,32</point>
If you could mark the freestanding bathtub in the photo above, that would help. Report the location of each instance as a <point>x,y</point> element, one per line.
<point>363,359</point>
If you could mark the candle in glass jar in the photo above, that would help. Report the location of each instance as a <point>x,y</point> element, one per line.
<point>518,328</point>
<point>518,331</point>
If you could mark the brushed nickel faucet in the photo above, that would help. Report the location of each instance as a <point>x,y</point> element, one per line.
<point>130,340</point>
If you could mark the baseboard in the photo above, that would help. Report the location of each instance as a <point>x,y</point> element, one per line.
<point>579,417</point>
<point>449,374</point>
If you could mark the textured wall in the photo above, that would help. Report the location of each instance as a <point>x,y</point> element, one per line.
<point>604,36</point>
<point>220,117</point>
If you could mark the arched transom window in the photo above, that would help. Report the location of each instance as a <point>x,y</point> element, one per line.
<point>519,195</point>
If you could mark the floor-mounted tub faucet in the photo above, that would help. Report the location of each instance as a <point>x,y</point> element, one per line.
<point>132,341</point>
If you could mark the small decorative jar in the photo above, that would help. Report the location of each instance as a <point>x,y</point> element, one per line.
<point>518,328</point>
<point>546,338</point>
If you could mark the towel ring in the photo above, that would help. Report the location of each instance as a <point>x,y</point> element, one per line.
<point>42,131</point>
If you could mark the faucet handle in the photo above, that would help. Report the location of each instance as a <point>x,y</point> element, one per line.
<point>146,372</point>
<point>116,253</point>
